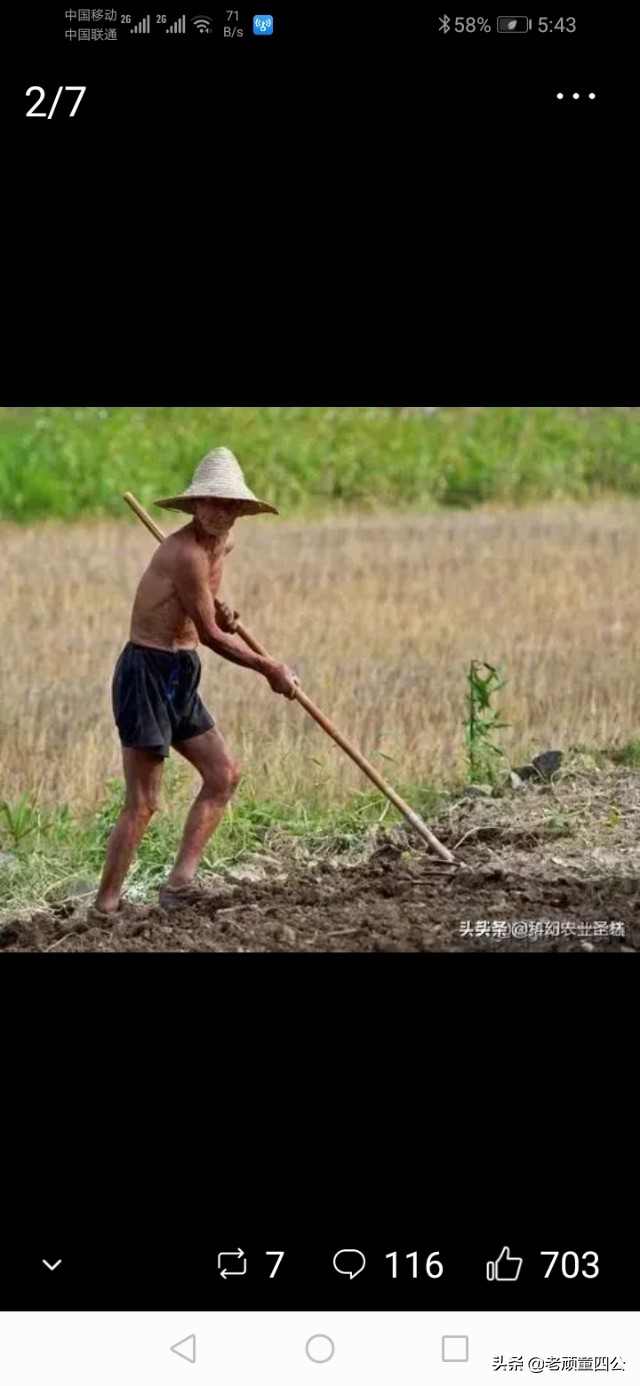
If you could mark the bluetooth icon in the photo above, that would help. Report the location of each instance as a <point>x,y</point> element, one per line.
<point>444,24</point>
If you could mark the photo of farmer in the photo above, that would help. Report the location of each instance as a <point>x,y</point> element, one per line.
<point>156,702</point>
<point>443,602</point>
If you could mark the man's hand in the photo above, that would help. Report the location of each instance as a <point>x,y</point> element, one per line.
<point>226,618</point>
<point>282,680</point>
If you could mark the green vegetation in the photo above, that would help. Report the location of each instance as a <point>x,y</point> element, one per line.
<point>69,462</point>
<point>628,754</point>
<point>483,756</point>
<point>43,855</point>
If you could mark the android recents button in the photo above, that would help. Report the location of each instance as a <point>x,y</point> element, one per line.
<point>455,1348</point>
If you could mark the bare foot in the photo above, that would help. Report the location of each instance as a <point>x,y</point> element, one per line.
<point>106,906</point>
<point>97,915</point>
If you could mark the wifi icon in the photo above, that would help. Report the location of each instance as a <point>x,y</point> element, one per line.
<point>203,23</point>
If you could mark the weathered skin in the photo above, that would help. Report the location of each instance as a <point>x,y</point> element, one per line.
<point>174,610</point>
<point>174,604</point>
<point>159,619</point>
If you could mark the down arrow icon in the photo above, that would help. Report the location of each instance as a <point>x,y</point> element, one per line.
<point>52,1267</point>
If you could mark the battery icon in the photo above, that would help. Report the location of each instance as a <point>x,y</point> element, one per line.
<point>513,24</point>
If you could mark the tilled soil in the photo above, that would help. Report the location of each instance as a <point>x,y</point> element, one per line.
<point>549,868</point>
<point>507,897</point>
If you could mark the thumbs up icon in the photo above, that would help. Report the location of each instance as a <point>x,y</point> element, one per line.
<point>506,1267</point>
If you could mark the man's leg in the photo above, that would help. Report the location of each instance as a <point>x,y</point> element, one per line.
<point>220,777</point>
<point>143,776</point>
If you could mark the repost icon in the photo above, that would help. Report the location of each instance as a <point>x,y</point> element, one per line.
<point>352,1262</point>
<point>505,1267</point>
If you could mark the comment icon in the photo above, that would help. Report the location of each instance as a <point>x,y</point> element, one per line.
<point>349,1262</point>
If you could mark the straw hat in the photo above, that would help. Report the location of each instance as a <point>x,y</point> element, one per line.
<point>217,477</point>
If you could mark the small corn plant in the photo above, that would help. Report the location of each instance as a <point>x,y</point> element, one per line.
<point>482,721</point>
<point>19,820</point>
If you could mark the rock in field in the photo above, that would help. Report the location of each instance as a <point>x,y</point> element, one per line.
<point>547,763</point>
<point>285,934</point>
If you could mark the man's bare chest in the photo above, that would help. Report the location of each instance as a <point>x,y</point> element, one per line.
<point>216,570</point>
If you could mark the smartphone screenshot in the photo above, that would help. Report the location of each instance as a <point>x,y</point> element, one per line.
<point>319,723</point>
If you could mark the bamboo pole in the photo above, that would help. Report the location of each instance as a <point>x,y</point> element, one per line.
<point>413,818</point>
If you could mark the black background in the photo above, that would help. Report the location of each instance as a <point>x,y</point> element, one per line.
<point>357,68</point>
<point>346,214</point>
<point>180,1271</point>
<point>178,1110</point>
<point>177,1268</point>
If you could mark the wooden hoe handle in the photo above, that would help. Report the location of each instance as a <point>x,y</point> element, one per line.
<point>413,818</point>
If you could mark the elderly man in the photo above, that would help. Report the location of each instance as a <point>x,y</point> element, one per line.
<point>155,696</point>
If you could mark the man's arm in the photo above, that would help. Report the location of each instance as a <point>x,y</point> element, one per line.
<point>190,573</point>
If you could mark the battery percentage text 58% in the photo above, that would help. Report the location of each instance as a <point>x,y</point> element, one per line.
<point>464,25</point>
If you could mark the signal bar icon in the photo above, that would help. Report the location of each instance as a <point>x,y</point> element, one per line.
<point>180,26</point>
<point>144,27</point>
<point>202,23</point>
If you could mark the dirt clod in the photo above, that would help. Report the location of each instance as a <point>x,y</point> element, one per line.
<point>511,890</point>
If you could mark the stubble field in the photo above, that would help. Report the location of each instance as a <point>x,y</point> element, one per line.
<point>380,617</point>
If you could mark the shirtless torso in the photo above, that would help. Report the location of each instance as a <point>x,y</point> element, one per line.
<point>158,619</point>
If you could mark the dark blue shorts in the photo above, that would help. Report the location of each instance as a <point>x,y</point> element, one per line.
<point>155,698</point>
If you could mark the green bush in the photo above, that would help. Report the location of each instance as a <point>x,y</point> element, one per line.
<point>70,462</point>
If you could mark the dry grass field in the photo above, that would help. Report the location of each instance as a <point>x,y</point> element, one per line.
<point>380,618</point>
